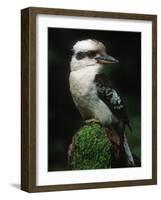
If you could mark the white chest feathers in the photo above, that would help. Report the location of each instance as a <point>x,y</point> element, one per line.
<point>84,93</point>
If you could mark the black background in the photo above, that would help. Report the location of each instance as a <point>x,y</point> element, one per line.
<point>63,118</point>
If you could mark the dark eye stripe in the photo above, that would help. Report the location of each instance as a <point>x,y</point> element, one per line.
<point>91,54</point>
<point>80,55</point>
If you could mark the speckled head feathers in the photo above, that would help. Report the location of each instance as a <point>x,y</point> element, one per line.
<point>88,45</point>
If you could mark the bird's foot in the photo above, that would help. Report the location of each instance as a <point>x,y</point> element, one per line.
<point>88,121</point>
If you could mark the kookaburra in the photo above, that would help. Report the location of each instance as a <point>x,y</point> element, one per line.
<point>93,93</point>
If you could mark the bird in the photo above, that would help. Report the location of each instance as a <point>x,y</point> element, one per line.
<point>94,95</point>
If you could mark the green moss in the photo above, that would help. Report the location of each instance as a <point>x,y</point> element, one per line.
<point>92,148</point>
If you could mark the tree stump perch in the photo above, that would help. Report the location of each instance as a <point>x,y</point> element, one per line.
<point>90,148</point>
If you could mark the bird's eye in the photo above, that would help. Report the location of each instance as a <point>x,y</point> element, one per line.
<point>80,55</point>
<point>91,54</point>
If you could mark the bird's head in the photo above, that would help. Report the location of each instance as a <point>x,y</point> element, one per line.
<point>90,52</point>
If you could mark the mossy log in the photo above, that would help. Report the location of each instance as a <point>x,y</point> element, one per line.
<point>96,147</point>
<point>90,148</point>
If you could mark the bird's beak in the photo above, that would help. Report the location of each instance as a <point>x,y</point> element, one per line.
<point>106,59</point>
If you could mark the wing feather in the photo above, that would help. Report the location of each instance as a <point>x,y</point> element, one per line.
<point>111,98</point>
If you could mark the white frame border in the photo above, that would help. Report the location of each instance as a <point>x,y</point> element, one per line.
<point>43,177</point>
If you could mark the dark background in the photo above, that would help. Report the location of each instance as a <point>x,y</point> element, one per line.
<point>63,118</point>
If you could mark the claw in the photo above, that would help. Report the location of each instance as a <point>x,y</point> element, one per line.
<point>88,121</point>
